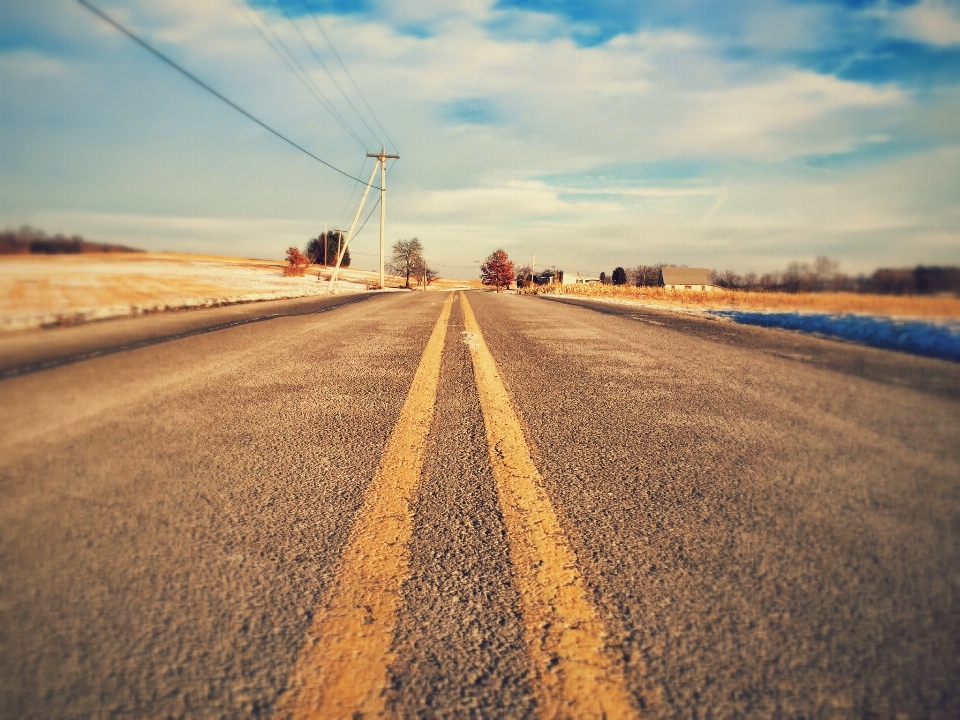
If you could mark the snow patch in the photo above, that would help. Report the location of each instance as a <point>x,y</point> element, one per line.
<point>917,337</point>
<point>60,290</point>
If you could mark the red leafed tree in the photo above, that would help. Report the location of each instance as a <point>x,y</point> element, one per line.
<point>297,258</point>
<point>497,270</point>
<point>298,262</point>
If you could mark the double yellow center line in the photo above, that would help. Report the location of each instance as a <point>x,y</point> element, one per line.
<point>343,668</point>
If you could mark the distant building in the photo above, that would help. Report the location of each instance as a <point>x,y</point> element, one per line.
<point>578,279</point>
<point>682,278</point>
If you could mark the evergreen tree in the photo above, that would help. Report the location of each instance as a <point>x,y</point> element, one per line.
<point>323,249</point>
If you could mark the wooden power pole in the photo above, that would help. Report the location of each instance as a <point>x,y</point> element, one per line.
<point>382,158</point>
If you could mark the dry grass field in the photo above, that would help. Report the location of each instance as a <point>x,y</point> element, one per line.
<point>720,299</point>
<point>44,290</point>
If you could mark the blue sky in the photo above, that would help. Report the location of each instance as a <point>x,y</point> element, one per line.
<point>594,134</point>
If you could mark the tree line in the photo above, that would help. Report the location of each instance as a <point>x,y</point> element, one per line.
<point>28,240</point>
<point>822,275</point>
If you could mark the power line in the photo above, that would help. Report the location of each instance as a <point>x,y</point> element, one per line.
<point>301,75</point>
<point>458,267</point>
<point>325,69</point>
<point>201,83</point>
<point>368,216</point>
<point>356,187</point>
<point>326,37</point>
<point>357,233</point>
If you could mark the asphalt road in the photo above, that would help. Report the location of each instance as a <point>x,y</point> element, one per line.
<point>663,517</point>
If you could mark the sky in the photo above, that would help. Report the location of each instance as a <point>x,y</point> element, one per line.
<point>589,133</point>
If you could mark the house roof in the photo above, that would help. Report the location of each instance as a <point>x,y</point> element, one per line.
<point>685,276</point>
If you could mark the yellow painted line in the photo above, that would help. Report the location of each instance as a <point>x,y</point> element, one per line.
<point>573,677</point>
<point>342,670</point>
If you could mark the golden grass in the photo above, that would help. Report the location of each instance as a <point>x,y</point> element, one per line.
<point>722,299</point>
<point>38,290</point>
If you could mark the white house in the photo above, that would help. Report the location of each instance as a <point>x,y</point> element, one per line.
<point>578,279</point>
<point>682,278</point>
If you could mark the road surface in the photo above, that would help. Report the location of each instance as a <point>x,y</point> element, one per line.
<point>474,504</point>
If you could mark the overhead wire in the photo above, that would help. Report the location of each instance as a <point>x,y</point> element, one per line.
<point>305,79</point>
<point>326,37</point>
<point>323,65</point>
<point>299,71</point>
<point>363,225</point>
<point>190,76</point>
<point>356,187</point>
<point>375,205</point>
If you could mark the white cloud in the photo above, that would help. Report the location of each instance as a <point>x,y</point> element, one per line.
<point>796,113</point>
<point>931,22</point>
<point>650,97</point>
<point>517,200</point>
<point>29,65</point>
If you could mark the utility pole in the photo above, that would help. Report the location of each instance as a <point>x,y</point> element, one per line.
<point>533,268</point>
<point>325,244</point>
<point>382,158</point>
<point>356,216</point>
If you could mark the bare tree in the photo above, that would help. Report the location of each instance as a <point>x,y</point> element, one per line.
<point>407,258</point>
<point>645,275</point>
<point>827,272</point>
<point>524,276</point>
<point>423,273</point>
<point>798,277</point>
<point>727,279</point>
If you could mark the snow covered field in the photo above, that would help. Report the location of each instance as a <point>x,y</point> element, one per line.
<point>37,291</point>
